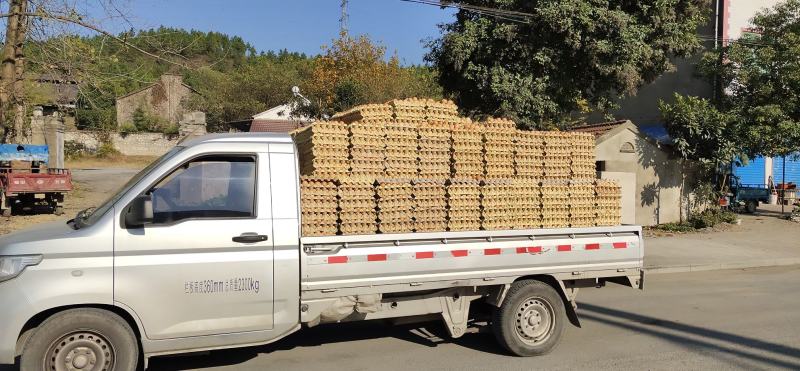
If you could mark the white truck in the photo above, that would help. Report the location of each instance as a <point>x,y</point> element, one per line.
<point>202,250</point>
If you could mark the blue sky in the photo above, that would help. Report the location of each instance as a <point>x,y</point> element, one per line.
<point>297,25</point>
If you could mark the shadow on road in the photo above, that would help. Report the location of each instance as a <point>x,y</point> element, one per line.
<point>697,338</point>
<point>429,334</point>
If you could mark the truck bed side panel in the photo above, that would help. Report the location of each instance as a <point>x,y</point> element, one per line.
<point>477,255</point>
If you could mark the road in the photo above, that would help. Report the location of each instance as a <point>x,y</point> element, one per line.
<point>745,319</point>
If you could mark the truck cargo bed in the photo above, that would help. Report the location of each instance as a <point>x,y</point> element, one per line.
<point>349,265</point>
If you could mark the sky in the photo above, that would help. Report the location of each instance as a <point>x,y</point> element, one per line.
<point>297,25</point>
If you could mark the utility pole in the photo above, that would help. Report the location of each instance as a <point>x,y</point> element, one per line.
<point>343,18</point>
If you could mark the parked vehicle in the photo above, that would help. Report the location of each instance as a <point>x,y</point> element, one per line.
<point>26,180</point>
<point>201,250</point>
<point>746,197</point>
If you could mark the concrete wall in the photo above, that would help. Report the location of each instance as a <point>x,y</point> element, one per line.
<point>659,195</point>
<point>140,144</point>
<point>739,13</point>
<point>163,99</point>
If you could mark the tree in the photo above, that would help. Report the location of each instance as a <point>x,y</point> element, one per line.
<point>761,79</point>
<point>41,37</point>
<point>699,131</point>
<point>355,71</point>
<point>560,56</point>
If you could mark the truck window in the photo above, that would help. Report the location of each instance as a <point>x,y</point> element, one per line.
<point>207,187</point>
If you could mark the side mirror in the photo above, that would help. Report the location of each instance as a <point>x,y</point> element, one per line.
<point>140,212</point>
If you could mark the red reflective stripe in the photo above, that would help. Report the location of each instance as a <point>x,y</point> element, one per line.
<point>377,257</point>
<point>620,245</point>
<point>564,247</point>
<point>424,255</point>
<point>522,250</point>
<point>459,253</point>
<point>592,246</point>
<point>337,259</point>
<point>491,252</point>
<point>535,249</point>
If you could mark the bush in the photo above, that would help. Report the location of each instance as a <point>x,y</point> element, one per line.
<point>106,150</point>
<point>676,227</point>
<point>74,150</point>
<point>712,217</point>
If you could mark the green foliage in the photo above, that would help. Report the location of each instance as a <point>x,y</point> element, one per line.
<point>96,119</point>
<point>761,77</point>
<point>73,150</point>
<point>712,217</point>
<point>571,56</point>
<point>676,227</point>
<point>699,131</point>
<point>106,150</point>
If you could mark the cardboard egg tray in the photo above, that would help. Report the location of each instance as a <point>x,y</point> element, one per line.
<point>464,204</point>
<point>312,229</point>
<point>395,205</point>
<point>318,195</point>
<point>396,227</point>
<point>357,228</point>
<point>499,123</point>
<point>608,202</point>
<point>410,108</point>
<point>436,109</point>
<point>368,113</point>
<point>433,225</point>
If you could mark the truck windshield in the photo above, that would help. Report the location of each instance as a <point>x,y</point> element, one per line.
<point>91,215</point>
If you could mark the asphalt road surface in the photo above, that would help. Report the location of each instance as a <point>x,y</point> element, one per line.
<point>744,319</point>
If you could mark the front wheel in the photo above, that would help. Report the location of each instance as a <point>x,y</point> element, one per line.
<point>82,339</point>
<point>531,319</point>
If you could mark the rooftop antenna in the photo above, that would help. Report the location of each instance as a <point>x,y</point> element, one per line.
<point>343,18</point>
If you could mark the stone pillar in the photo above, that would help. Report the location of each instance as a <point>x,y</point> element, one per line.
<point>54,138</point>
<point>193,124</point>
<point>37,135</point>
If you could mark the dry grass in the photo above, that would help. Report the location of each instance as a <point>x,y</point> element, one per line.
<point>114,161</point>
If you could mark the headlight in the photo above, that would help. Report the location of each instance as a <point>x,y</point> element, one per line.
<point>12,266</point>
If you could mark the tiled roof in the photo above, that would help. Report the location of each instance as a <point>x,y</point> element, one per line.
<point>274,126</point>
<point>600,128</point>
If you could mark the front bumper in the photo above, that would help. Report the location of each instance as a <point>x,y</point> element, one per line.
<point>15,310</point>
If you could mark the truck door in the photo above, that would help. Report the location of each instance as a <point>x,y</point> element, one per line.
<point>205,264</point>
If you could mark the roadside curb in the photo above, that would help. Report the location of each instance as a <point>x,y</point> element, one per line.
<point>721,266</point>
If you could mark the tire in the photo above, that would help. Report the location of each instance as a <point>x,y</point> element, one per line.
<point>750,207</point>
<point>6,213</point>
<point>58,210</point>
<point>86,339</point>
<point>544,310</point>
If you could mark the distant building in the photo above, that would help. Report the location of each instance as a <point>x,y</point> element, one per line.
<point>165,98</point>
<point>652,176</point>
<point>56,95</point>
<point>280,119</point>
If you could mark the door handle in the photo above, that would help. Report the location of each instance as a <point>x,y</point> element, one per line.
<point>250,238</point>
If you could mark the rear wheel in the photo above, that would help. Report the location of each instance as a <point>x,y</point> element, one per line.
<point>531,319</point>
<point>6,212</point>
<point>751,206</point>
<point>82,340</point>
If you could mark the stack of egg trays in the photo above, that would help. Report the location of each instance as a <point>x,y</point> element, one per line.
<point>366,112</point>
<point>367,148</point>
<point>402,139</point>
<point>555,204</point>
<point>323,149</point>
<point>467,151</point>
<point>463,204</point>
<point>319,203</point>
<point>529,154</point>
<point>357,206</point>
<point>529,204</point>
<point>497,123</point>
<point>582,203</point>
<point>608,200</point>
<point>442,112</point>
<point>582,156</point>
<point>498,152</point>
<point>395,205</point>
<point>499,202</point>
<point>430,205</point>
<point>434,152</point>
<point>557,154</point>
<point>409,110</point>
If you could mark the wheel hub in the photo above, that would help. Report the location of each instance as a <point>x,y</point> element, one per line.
<point>534,320</point>
<point>80,351</point>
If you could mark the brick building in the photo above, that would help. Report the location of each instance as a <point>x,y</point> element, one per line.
<point>165,98</point>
